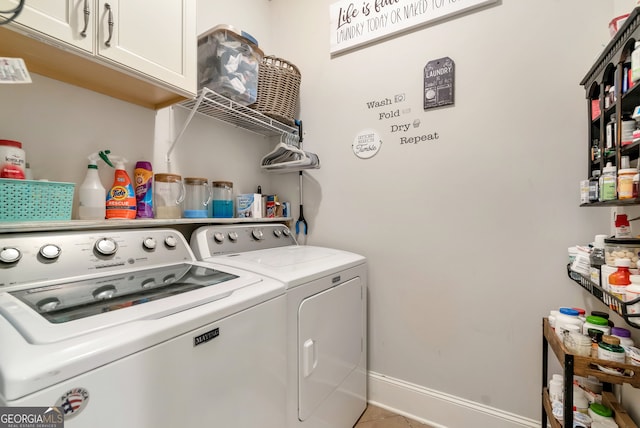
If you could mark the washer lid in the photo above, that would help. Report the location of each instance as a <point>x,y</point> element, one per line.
<point>294,264</point>
<point>59,311</point>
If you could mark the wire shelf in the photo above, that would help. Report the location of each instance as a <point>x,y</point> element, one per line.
<point>613,302</point>
<point>212,104</point>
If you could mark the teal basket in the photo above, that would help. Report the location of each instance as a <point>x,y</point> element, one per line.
<point>29,200</point>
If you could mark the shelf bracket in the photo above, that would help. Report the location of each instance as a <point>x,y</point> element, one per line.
<point>193,111</point>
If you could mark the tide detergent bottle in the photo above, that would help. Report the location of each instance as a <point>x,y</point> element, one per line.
<point>121,199</point>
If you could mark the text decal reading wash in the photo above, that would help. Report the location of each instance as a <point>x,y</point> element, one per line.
<point>31,417</point>
<point>205,337</point>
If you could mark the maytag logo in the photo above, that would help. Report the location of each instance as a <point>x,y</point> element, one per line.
<point>205,337</point>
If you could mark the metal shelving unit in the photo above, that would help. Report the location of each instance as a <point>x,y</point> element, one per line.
<point>576,365</point>
<point>214,105</point>
<point>613,302</point>
<point>211,104</point>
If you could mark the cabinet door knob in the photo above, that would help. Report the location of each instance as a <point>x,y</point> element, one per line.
<point>87,12</point>
<point>110,22</point>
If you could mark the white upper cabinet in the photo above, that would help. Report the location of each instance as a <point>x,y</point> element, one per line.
<point>149,36</point>
<point>153,41</point>
<point>62,20</point>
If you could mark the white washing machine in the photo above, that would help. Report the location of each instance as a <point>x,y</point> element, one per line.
<point>126,329</point>
<point>326,316</point>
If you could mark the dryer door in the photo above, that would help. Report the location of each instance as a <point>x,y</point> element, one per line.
<point>330,342</point>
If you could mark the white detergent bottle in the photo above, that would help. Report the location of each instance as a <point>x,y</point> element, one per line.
<point>92,194</point>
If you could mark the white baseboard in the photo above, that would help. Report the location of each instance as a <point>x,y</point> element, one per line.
<point>436,408</point>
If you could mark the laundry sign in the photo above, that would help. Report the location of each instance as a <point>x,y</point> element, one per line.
<point>357,22</point>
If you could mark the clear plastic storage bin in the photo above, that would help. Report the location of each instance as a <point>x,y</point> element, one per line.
<point>228,63</point>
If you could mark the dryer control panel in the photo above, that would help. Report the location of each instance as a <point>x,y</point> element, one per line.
<point>216,240</point>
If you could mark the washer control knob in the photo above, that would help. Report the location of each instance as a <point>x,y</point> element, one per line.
<point>50,251</point>
<point>149,243</point>
<point>104,293</point>
<point>218,237</point>
<point>286,232</point>
<point>10,255</point>
<point>277,233</point>
<point>257,234</point>
<point>106,246</point>
<point>233,236</point>
<point>48,304</point>
<point>170,241</point>
<point>148,283</point>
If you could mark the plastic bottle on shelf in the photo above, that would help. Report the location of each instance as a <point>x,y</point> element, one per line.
<point>597,258</point>
<point>635,62</point>
<point>121,199</point>
<point>608,183</point>
<point>620,279</point>
<point>567,320</point>
<point>593,185</point>
<point>625,183</point>
<point>595,322</point>
<point>91,194</point>
<point>623,227</point>
<point>610,133</point>
<point>143,176</point>
<point>624,335</point>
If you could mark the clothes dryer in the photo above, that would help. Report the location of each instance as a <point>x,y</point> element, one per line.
<point>326,316</point>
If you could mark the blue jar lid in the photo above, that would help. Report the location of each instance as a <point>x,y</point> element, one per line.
<point>569,311</point>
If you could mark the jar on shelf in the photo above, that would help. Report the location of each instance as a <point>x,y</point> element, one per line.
<point>598,323</point>
<point>601,413</point>
<point>625,183</point>
<point>610,132</point>
<point>197,197</point>
<point>624,336</point>
<point>577,343</point>
<point>608,183</point>
<point>620,279</point>
<point>632,293</point>
<point>222,206</point>
<point>610,349</point>
<point>596,337</point>
<point>567,320</point>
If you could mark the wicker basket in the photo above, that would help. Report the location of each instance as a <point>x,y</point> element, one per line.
<point>28,200</point>
<point>278,89</point>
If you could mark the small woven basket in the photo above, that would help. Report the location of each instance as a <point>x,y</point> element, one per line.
<point>278,89</point>
<point>28,200</point>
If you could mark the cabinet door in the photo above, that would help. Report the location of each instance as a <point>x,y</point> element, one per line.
<point>155,38</point>
<point>61,20</point>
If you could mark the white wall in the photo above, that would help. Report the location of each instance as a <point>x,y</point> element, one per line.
<point>466,236</point>
<point>59,125</point>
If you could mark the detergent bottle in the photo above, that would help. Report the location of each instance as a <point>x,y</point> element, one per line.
<point>121,199</point>
<point>91,195</point>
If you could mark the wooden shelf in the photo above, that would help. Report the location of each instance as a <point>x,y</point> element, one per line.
<point>587,366</point>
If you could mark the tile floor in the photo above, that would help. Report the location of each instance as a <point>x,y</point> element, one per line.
<point>376,417</point>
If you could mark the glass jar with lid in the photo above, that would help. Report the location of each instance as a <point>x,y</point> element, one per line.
<point>222,206</point>
<point>168,194</point>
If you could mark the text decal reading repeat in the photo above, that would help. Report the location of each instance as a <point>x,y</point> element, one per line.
<point>356,22</point>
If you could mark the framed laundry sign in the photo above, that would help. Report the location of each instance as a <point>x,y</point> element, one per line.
<point>357,22</point>
<point>439,82</point>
